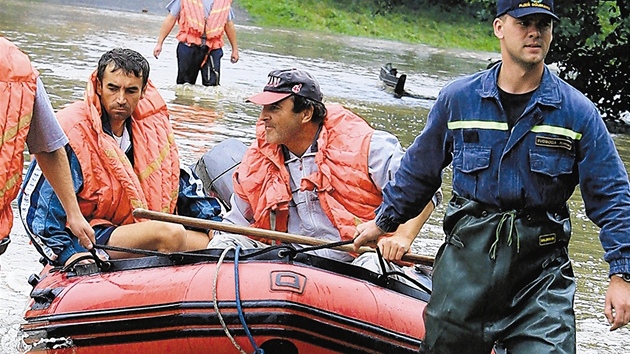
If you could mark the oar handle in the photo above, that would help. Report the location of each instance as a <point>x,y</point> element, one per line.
<point>269,234</point>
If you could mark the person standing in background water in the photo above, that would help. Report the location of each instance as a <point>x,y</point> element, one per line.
<point>200,48</point>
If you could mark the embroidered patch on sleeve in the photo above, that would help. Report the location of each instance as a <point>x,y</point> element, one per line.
<point>562,143</point>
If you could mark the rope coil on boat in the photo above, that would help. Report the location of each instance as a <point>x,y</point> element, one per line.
<point>215,302</point>
<point>384,274</point>
<point>239,308</point>
<point>286,250</point>
<point>292,251</point>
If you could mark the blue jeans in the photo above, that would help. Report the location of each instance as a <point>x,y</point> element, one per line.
<point>189,62</point>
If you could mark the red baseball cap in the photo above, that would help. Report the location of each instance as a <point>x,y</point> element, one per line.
<point>284,83</point>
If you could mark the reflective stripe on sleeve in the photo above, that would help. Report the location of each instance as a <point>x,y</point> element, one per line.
<point>557,130</point>
<point>480,124</point>
<point>477,124</point>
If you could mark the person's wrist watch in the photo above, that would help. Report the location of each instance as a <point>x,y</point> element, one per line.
<point>624,276</point>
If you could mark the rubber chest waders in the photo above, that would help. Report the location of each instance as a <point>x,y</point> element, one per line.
<point>502,275</point>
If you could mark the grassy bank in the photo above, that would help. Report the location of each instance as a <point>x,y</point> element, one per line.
<point>426,25</point>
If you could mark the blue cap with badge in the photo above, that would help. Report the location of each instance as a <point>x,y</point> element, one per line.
<point>520,8</point>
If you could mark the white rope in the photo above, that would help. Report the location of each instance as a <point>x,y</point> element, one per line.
<point>216,304</point>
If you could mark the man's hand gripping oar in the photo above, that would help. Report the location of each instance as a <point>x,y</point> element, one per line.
<point>268,234</point>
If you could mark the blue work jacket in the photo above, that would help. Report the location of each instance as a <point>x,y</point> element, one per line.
<point>558,142</point>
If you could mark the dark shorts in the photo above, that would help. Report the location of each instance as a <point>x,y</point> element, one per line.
<point>102,233</point>
<point>189,64</point>
<point>4,243</point>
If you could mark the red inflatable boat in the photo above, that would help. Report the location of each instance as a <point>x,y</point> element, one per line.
<point>275,301</point>
<point>271,301</point>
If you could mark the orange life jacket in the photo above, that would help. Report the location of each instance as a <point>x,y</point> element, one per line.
<point>193,23</point>
<point>18,84</point>
<point>112,187</point>
<point>342,181</point>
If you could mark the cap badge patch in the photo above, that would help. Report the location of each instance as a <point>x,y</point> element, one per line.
<point>296,88</point>
<point>535,3</point>
<point>273,81</point>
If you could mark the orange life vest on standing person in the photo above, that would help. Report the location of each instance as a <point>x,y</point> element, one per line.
<point>193,23</point>
<point>112,188</point>
<point>18,84</point>
<point>343,183</point>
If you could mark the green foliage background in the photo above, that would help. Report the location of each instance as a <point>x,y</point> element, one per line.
<point>590,43</point>
<point>411,22</point>
<point>591,49</point>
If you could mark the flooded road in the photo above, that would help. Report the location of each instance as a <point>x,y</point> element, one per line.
<point>65,42</point>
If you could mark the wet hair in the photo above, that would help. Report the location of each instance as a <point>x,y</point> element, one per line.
<point>127,60</point>
<point>302,103</point>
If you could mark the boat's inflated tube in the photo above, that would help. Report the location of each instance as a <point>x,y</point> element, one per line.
<point>216,166</point>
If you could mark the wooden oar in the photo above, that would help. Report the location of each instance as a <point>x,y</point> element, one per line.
<point>268,234</point>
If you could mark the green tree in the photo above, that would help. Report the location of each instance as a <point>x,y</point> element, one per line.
<point>591,46</point>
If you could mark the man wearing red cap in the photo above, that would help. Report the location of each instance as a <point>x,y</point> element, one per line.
<point>314,170</point>
<point>520,140</point>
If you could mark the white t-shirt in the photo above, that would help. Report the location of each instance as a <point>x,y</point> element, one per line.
<point>123,141</point>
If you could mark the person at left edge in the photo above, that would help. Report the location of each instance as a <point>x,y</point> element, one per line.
<point>200,48</point>
<point>122,156</point>
<point>26,116</point>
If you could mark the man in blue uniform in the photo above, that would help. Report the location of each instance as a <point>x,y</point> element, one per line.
<point>520,139</point>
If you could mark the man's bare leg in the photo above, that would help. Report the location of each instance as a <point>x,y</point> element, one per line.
<point>197,240</point>
<point>156,236</point>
